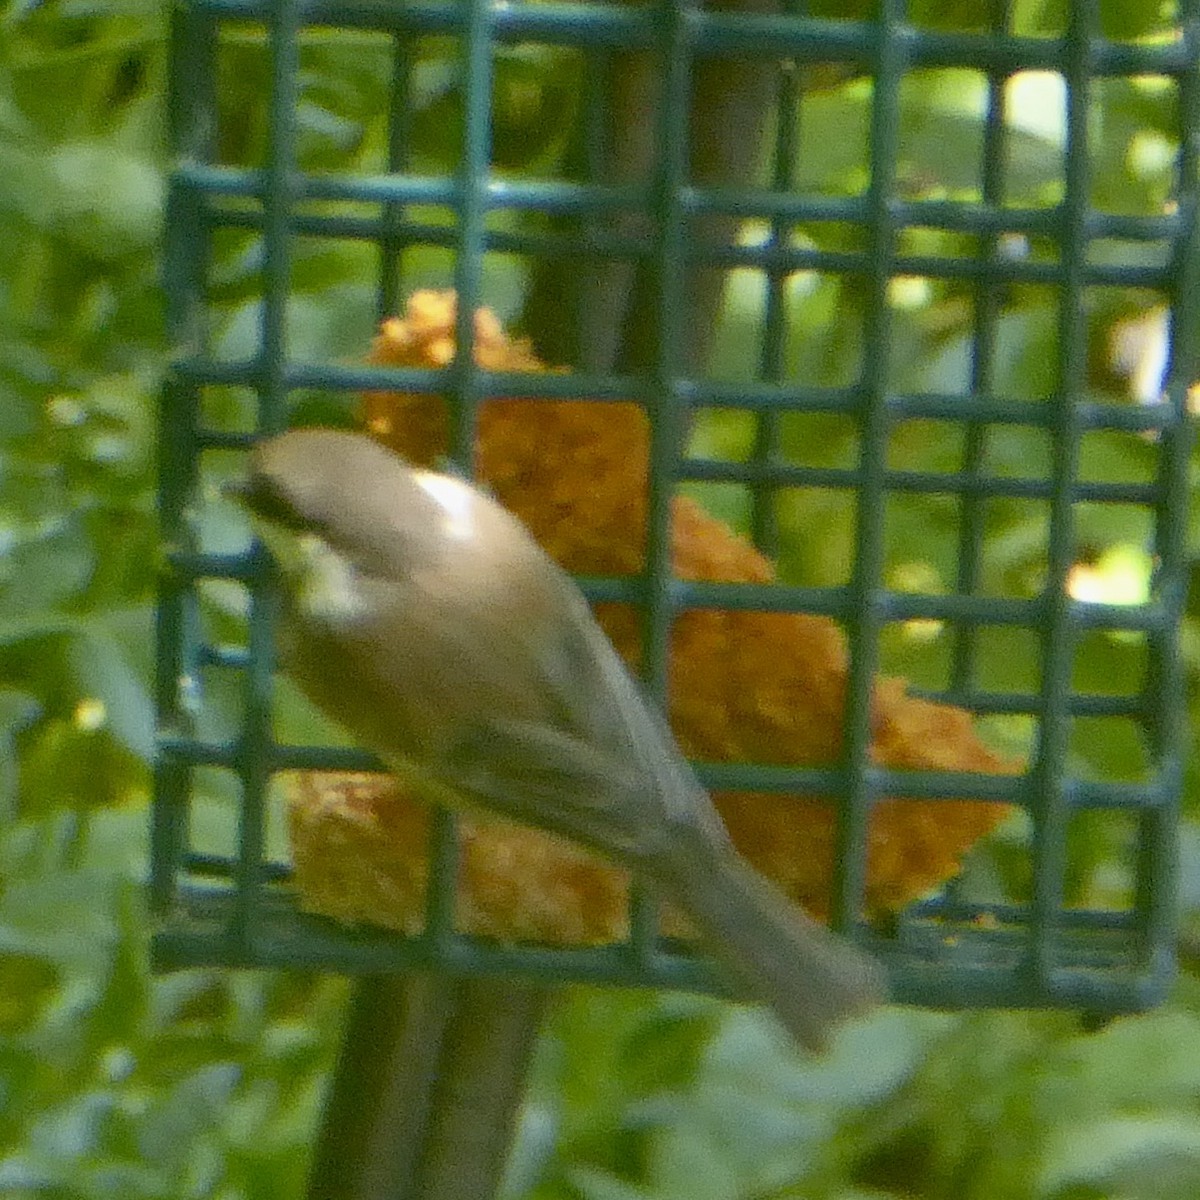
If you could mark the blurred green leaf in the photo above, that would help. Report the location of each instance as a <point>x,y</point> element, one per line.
<point>104,673</point>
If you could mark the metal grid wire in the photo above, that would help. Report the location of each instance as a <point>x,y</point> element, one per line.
<point>227,908</point>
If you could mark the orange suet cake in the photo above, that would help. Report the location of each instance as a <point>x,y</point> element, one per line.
<point>745,686</point>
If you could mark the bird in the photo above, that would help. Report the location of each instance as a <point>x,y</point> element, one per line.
<point>424,619</point>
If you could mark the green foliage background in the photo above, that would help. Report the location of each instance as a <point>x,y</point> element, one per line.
<point>114,1083</point>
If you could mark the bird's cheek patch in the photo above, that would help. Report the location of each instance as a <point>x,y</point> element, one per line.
<point>328,587</point>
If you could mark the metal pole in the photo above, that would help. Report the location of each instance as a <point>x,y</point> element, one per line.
<point>427,1088</point>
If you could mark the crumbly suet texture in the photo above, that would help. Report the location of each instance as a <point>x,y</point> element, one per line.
<point>745,687</point>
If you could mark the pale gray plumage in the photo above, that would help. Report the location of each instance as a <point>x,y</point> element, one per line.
<point>427,621</point>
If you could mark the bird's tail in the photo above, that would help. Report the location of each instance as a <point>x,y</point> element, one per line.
<point>810,976</point>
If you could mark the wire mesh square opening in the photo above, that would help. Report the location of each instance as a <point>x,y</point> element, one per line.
<point>877,409</point>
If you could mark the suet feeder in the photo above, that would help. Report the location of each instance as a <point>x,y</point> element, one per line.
<point>610,242</point>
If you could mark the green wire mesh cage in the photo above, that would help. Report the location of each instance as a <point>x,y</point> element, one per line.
<point>479,145</point>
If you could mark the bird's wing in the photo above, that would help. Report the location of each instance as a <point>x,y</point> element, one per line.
<point>550,778</point>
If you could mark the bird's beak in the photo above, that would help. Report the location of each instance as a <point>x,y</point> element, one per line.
<point>266,506</point>
<point>272,529</point>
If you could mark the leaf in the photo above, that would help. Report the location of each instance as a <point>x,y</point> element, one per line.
<point>21,1174</point>
<point>26,982</point>
<point>18,710</point>
<point>123,1002</point>
<point>599,1185</point>
<point>107,203</point>
<point>193,1105</point>
<point>74,1130</point>
<point>1143,1157</point>
<point>117,844</point>
<point>103,671</point>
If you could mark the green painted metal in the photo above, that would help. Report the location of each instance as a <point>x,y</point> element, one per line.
<point>229,908</point>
